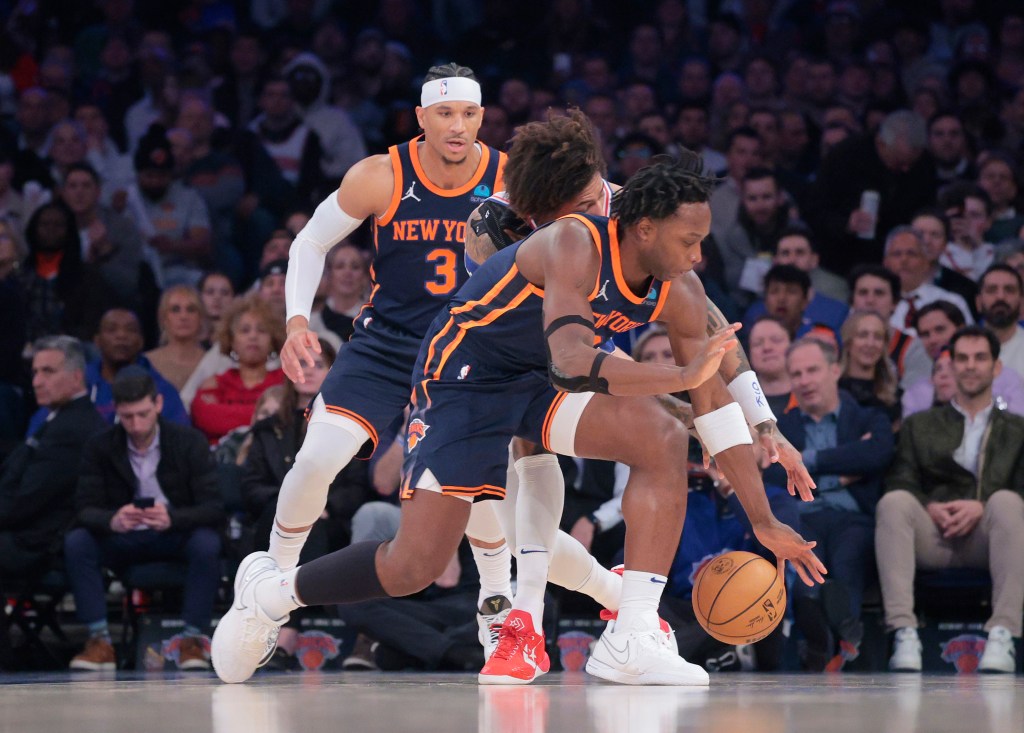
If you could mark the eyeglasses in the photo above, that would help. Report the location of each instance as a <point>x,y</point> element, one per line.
<point>185,308</point>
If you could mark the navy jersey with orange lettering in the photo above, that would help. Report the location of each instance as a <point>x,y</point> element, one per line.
<point>419,242</point>
<point>482,368</point>
<point>417,266</point>
<point>497,315</point>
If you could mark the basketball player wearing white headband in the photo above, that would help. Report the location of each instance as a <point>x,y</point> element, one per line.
<point>420,195</point>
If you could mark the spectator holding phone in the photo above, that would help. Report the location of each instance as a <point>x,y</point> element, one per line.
<point>147,491</point>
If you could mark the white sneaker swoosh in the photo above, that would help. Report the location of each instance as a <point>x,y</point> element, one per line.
<point>615,652</point>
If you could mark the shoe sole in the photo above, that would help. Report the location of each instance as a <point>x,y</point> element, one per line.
<point>599,669</point>
<point>93,666</point>
<point>504,679</point>
<point>196,665</point>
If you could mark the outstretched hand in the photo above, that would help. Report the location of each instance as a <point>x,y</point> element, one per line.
<point>705,365</point>
<point>786,544</point>
<point>299,349</point>
<point>781,451</point>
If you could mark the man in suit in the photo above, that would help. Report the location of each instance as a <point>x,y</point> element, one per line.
<point>37,481</point>
<point>847,448</point>
<point>147,492</point>
<point>954,499</point>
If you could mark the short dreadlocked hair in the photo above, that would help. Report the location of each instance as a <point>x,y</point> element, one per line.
<point>448,71</point>
<point>657,190</point>
<point>551,163</point>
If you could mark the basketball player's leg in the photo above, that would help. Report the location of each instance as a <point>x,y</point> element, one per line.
<point>638,433</point>
<point>331,442</point>
<point>429,533</point>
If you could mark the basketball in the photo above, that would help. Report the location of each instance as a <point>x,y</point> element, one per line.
<point>739,598</point>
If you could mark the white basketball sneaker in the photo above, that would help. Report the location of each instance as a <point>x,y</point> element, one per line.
<point>492,614</point>
<point>906,652</point>
<point>641,658</point>
<point>246,637</point>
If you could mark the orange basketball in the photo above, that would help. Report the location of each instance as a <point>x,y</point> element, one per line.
<point>739,598</point>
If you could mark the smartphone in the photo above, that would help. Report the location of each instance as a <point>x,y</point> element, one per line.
<point>145,502</point>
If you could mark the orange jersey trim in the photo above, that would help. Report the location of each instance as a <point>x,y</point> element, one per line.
<point>620,281</point>
<point>490,294</point>
<point>662,299</point>
<point>498,312</point>
<point>396,192</point>
<point>433,344</point>
<point>446,354</point>
<point>414,156</point>
<point>596,235</point>
<point>499,179</point>
<point>358,419</point>
<point>473,490</point>
<point>549,419</point>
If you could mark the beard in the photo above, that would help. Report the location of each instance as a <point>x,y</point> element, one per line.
<point>1001,314</point>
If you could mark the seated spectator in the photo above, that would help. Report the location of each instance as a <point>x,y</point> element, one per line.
<point>275,441</point>
<point>746,244</point>
<point>270,286</point>
<point>847,448</point>
<point>233,448</point>
<point>250,332</point>
<point>37,481</point>
<point>64,294</point>
<point>905,255</point>
<point>999,302</point>
<point>12,205</point>
<point>13,306</point>
<point>937,322</point>
<point>216,292</point>
<point>864,366</point>
<point>348,280</point>
<point>119,340</point>
<point>877,289</point>
<point>953,499</point>
<point>110,242</point>
<point>769,340</point>
<point>147,492</point>
<point>969,209</point>
<point>787,297</point>
<point>932,227</point>
<point>742,152</point>
<point>174,213</point>
<point>796,246</point>
<point>180,315</point>
<point>997,176</point>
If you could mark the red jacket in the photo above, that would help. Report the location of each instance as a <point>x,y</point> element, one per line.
<point>230,404</point>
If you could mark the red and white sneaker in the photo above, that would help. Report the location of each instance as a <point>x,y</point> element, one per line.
<point>520,656</point>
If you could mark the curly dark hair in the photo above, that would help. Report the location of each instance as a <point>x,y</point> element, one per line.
<point>551,163</point>
<point>657,190</point>
<point>447,71</point>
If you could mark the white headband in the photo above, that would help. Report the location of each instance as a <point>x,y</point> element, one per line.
<point>451,89</point>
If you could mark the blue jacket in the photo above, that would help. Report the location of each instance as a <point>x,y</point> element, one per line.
<point>868,459</point>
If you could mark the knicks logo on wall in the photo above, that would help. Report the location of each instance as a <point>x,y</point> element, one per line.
<point>315,649</point>
<point>964,652</point>
<point>417,431</point>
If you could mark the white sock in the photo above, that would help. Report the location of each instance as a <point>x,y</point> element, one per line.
<point>538,511</point>
<point>573,568</point>
<point>285,547</point>
<point>641,594</point>
<point>276,595</point>
<point>495,567</point>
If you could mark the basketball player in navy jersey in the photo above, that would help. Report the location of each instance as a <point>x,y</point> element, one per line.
<point>514,353</point>
<point>420,195</point>
<point>555,168</point>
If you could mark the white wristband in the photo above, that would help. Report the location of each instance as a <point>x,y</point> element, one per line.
<point>746,390</point>
<point>328,226</point>
<point>723,428</point>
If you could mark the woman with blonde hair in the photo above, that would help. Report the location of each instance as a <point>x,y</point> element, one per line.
<point>865,369</point>
<point>180,316</point>
<point>250,334</point>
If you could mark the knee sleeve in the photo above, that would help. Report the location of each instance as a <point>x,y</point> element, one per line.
<point>540,500</point>
<point>326,450</point>
<point>483,523</point>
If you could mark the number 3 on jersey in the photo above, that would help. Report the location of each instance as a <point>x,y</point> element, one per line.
<point>445,279</point>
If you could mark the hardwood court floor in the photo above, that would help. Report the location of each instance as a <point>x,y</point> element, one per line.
<point>559,703</point>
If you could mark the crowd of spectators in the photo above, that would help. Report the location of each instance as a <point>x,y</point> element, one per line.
<point>156,160</point>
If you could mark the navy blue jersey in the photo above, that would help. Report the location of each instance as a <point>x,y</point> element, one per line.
<point>419,242</point>
<point>497,320</point>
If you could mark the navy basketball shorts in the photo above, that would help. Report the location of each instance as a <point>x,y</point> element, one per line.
<point>457,439</point>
